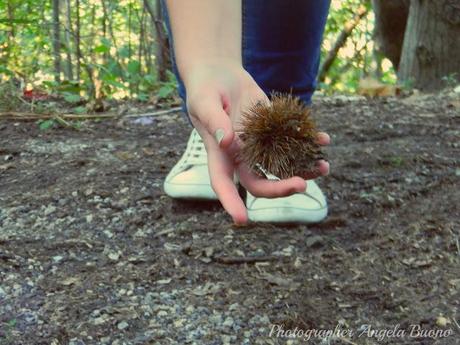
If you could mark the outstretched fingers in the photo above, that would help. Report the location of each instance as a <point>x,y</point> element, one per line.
<point>221,174</point>
<point>261,187</point>
<point>323,139</point>
<point>321,169</point>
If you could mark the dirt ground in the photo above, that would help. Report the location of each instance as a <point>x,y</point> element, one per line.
<point>93,252</point>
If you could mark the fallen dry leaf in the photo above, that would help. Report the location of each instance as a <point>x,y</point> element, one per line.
<point>5,167</point>
<point>69,281</point>
<point>208,289</point>
<point>373,88</point>
<point>280,281</point>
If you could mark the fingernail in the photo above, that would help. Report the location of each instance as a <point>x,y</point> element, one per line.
<point>219,135</point>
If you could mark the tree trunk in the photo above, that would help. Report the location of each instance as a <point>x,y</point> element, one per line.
<point>104,29</point>
<point>390,26</point>
<point>162,44</point>
<point>141,38</point>
<point>56,41</point>
<point>68,40</point>
<point>77,39</point>
<point>110,20</point>
<point>129,31</point>
<point>431,45</point>
<point>10,10</point>
<point>11,34</point>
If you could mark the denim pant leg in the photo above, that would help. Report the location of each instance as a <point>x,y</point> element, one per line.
<point>181,87</point>
<point>281,44</point>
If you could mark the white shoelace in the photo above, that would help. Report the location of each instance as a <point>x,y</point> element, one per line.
<point>196,153</point>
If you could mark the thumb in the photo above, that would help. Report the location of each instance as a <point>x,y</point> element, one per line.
<point>210,115</point>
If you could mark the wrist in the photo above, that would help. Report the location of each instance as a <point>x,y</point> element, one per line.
<point>208,67</point>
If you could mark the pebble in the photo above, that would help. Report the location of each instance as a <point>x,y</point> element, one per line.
<point>122,325</point>
<point>233,306</point>
<point>100,320</point>
<point>105,340</point>
<point>315,241</point>
<point>288,251</point>
<point>228,322</point>
<point>441,321</point>
<point>216,319</point>
<point>114,256</point>
<point>49,210</point>
<point>28,317</point>
<point>2,293</point>
<point>89,218</point>
<point>57,258</point>
<point>228,339</point>
<point>76,341</point>
<point>63,202</point>
<point>179,323</point>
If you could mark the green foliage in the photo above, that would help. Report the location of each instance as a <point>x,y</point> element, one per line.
<point>116,43</point>
<point>118,46</point>
<point>167,89</point>
<point>46,124</point>
<point>451,80</point>
<point>358,58</point>
<point>71,98</point>
<point>396,161</point>
<point>79,110</point>
<point>7,328</point>
<point>9,96</point>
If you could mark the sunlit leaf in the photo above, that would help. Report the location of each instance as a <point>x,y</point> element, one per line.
<point>134,67</point>
<point>46,124</point>
<point>79,110</point>
<point>7,21</point>
<point>72,98</point>
<point>165,91</point>
<point>102,49</point>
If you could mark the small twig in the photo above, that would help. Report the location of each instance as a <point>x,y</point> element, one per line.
<point>164,232</point>
<point>32,116</point>
<point>71,242</point>
<point>457,243</point>
<point>238,260</point>
<point>64,122</point>
<point>456,323</point>
<point>458,246</point>
<point>156,113</point>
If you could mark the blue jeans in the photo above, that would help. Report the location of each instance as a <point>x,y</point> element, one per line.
<point>281,44</point>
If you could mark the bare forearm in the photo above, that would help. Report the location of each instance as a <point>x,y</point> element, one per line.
<point>205,30</point>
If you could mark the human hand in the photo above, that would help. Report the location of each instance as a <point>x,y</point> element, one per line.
<point>217,93</point>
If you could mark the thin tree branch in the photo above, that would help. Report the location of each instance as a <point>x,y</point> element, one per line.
<point>341,40</point>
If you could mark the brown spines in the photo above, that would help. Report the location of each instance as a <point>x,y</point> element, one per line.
<point>280,136</point>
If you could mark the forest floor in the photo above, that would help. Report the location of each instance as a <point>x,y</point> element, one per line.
<point>93,252</point>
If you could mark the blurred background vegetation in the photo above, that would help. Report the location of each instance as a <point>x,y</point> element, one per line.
<point>83,50</point>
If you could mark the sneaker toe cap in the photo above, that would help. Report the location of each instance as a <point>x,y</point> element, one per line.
<point>190,183</point>
<point>196,175</point>
<point>308,207</point>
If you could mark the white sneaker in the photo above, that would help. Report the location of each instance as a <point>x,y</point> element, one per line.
<point>189,178</point>
<point>305,208</point>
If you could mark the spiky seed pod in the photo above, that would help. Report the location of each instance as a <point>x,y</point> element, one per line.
<point>280,136</point>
